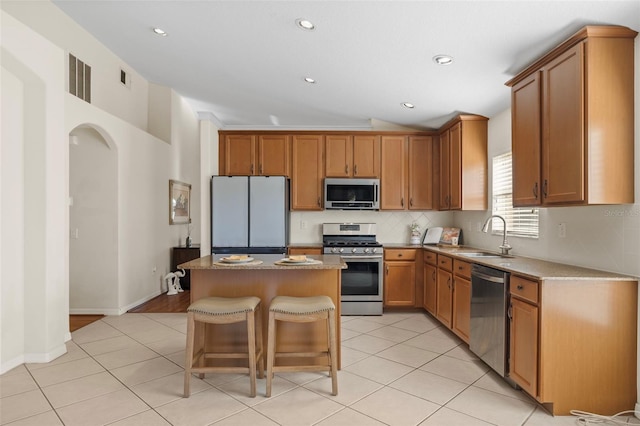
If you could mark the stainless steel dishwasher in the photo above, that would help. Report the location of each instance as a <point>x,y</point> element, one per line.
<point>489,326</point>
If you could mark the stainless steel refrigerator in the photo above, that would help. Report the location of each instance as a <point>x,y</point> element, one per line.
<point>249,214</point>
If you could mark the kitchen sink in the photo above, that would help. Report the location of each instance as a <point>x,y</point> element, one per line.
<point>482,254</point>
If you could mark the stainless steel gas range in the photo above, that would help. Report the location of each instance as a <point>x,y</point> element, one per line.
<point>362,281</point>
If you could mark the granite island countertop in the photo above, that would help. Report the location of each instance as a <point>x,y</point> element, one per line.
<point>268,261</point>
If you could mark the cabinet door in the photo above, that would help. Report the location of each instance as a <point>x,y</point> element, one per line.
<point>274,155</point>
<point>394,173</point>
<point>443,304</point>
<point>445,179</point>
<point>420,173</point>
<point>563,129</point>
<point>462,307</point>
<point>307,173</point>
<point>455,167</point>
<point>400,284</point>
<point>366,156</point>
<point>430,288</point>
<point>338,156</point>
<point>526,142</point>
<point>523,361</point>
<point>239,155</point>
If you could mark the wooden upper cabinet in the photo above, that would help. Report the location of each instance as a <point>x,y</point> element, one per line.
<point>575,105</point>
<point>526,141</point>
<point>338,155</point>
<point>463,164</point>
<point>394,173</point>
<point>254,154</point>
<point>420,172</point>
<point>274,156</point>
<point>238,157</point>
<point>445,194</point>
<point>455,167</point>
<point>366,156</point>
<point>307,172</point>
<point>355,156</point>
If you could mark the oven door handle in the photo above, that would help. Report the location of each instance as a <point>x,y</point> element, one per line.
<point>361,257</point>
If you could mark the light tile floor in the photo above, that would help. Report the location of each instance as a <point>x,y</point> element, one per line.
<point>397,369</point>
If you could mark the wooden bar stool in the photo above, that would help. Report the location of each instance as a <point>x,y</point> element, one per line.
<point>303,309</point>
<point>223,310</point>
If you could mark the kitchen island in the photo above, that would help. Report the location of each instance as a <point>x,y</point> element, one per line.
<point>266,277</point>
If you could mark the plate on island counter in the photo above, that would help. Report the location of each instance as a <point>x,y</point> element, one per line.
<point>236,259</point>
<point>290,260</point>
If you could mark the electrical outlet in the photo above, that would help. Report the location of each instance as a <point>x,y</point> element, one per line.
<point>562,230</point>
<point>153,270</point>
<point>303,224</point>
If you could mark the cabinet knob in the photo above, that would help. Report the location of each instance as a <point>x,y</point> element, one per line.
<point>355,169</point>
<point>434,275</point>
<point>519,287</point>
<point>402,202</point>
<point>399,254</point>
<point>535,190</point>
<point>318,201</point>
<point>410,202</point>
<point>346,169</point>
<point>544,188</point>
<point>260,168</point>
<point>252,169</point>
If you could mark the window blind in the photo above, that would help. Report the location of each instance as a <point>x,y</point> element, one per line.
<point>521,222</point>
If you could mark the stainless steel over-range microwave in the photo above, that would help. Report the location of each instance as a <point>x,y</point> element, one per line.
<point>351,194</point>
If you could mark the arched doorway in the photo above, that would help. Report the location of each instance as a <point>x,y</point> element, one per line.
<point>93,222</point>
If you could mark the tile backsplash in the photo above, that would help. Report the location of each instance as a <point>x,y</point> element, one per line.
<point>392,227</point>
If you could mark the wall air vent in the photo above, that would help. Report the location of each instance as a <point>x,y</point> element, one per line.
<point>79,78</point>
<point>125,78</point>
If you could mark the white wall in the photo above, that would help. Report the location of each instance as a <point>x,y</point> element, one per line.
<point>34,147</point>
<point>34,281</point>
<point>108,94</point>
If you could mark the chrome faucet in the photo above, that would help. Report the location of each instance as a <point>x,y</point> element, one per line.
<point>505,247</point>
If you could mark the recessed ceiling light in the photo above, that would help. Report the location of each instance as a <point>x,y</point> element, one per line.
<point>443,59</point>
<point>160,32</point>
<point>408,105</point>
<point>309,80</point>
<point>305,24</point>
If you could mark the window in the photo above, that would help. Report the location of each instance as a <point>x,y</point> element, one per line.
<point>521,222</point>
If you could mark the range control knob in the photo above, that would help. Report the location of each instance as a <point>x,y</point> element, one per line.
<point>353,250</point>
<point>373,250</point>
<point>334,250</point>
<point>366,250</point>
<point>341,250</point>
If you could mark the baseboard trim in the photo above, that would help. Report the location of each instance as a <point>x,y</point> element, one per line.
<point>138,302</point>
<point>637,412</point>
<point>112,311</point>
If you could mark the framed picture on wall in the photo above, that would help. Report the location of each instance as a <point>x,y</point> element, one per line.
<point>179,202</point>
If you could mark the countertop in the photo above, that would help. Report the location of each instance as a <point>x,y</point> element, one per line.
<point>532,268</point>
<point>268,262</point>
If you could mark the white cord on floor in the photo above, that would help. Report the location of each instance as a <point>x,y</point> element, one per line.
<point>586,418</point>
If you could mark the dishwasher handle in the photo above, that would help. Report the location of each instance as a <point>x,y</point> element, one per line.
<point>488,277</point>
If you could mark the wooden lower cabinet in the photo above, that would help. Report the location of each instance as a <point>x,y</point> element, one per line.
<point>430,288</point>
<point>573,342</point>
<point>523,361</point>
<point>400,277</point>
<point>444,308</point>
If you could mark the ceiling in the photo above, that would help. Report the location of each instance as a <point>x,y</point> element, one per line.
<point>244,62</point>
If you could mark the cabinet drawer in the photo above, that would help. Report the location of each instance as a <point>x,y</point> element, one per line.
<point>309,251</point>
<point>399,254</point>
<point>430,257</point>
<point>524,289</point>
<point>462,268</point>
<point>445,262</point>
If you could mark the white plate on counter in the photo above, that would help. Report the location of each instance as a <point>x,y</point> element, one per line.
<point>243,260</point>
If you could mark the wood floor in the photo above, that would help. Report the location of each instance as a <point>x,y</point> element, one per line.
<point>163,303</point>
